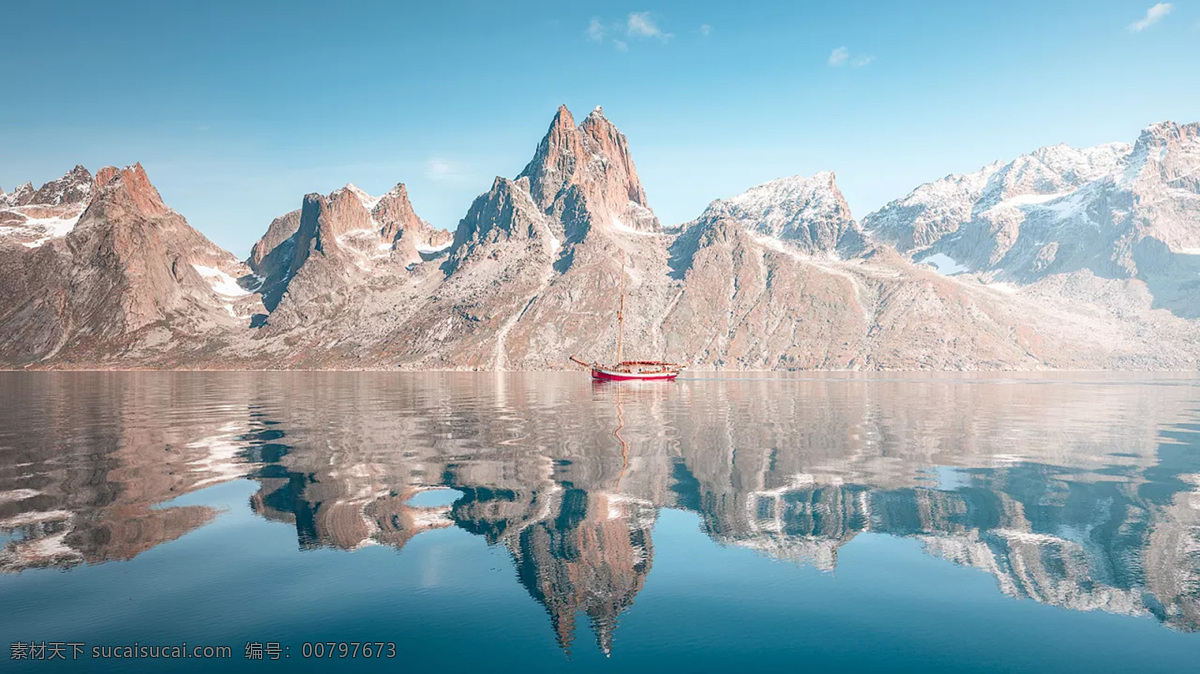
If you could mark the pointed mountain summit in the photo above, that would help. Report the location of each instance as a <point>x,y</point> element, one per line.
<point>534,264</point>
<point>589,167</point>
<point>350,232</point>
<point>807,212</point>
<point>32,217</point>
<point>19,196</point>
<point>73,188</point>
<point>131,280</point>
<point>507,212</point>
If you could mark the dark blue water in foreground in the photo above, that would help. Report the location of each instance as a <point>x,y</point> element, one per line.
<point>541,522</point>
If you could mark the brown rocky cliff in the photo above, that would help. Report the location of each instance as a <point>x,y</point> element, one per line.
<point>125,283</point>
<point>271,257</point>
<point>334,244</point>
<point>125,238</point>
<point>400,226</point>
<point>610,143</point>
<point>347,213</point>
<point>553,163</point>
<point>395,214</point>
<point>315,232</point>
<point>75,187</point>
<point>588,166</point>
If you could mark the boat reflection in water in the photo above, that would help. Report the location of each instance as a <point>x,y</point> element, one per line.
<point>1076,494</point>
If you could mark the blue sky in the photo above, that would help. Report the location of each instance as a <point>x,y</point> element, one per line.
<point>238,109</point>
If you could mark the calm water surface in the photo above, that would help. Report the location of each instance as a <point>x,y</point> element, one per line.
<point>543,522</point>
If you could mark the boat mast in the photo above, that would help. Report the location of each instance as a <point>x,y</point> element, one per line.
<point>621,315</point>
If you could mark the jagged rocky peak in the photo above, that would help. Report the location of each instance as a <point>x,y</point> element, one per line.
<point>22,190</point>
<point>505,212</point>
<point>105,175</point>
<point>611,144</point>
<point>349,211</point>
<point>1169,133</point>
<point>279,233</point>
<point>399,223</point>
<point>128,201</point>
<point>22,194</point>
<point>554,162</point>
<point>394,213</point>
<point>351,231</point>
<point>376,227</point>
<point>329,227</point>
<point>1168,153</point>
<point>353,214</point>
<point>32,217</point>
<point>594,159</point>
<point>129,280</point>
<point>128,188</point>
<point>1054,168</point>
<point>75,187</point>
<point>808,212</point>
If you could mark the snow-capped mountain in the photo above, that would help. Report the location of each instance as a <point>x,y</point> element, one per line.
<point>33,217</point>
<point>942,207</point>
<point>807,212</point>
<point>1117,211</point>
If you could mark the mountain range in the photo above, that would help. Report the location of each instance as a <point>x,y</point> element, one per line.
<point>1062,258</point>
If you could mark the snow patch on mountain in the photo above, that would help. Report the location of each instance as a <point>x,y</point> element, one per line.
<point>431,250</point>
<point>369,202</point>
<point>221,282</point>
<point>944,264</point>
<point>37,231</point>
<point>33,217</point>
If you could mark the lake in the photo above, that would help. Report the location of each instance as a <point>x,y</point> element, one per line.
<point>540,521</point>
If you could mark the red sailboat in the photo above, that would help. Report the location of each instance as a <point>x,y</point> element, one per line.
<point>630,370</point>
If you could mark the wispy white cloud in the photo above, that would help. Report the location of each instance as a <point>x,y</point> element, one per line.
<point>841,56</point>
<point>443,170</point>
<point>636,26</point>
<point>643,25</point>
<point>1153,16</point>
<point>705,29</point>
<point>595,30</point>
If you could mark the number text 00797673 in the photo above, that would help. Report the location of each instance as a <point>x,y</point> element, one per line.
<point>348,649</point>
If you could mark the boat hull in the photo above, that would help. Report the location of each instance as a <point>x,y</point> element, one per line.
<point>614,375</point>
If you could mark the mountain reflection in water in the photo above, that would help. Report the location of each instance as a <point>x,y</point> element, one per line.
<point>1081,493</point>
